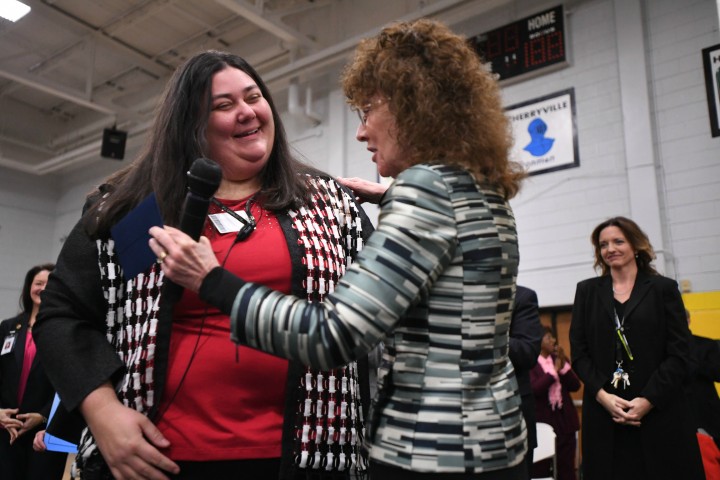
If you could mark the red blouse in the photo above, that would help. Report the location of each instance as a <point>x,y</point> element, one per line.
<point>221,401</point>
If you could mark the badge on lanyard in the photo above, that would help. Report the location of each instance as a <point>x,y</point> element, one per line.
<point>8,344</point>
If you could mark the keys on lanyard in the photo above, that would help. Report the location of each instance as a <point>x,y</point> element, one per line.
<point>620,375</point>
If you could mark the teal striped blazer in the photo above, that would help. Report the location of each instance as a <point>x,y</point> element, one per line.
<point>436,284</point>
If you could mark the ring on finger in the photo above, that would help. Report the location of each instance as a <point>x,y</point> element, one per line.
<point>161,257</point>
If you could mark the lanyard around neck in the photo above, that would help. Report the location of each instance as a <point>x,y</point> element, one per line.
<point>620,331</point>
<point>248,223</point>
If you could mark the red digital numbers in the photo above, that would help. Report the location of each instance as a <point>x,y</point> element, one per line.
<point>512,39</point>
<point>555,46</point>
<point>493,45</point>
<point>544,49</point>
<point>501,42</point>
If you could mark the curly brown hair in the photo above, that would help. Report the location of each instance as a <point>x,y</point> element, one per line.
<point>446,103</point>
<point>639,241</point>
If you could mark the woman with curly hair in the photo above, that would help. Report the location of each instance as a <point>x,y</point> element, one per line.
<point>630,346</point>
<point>436,280</point>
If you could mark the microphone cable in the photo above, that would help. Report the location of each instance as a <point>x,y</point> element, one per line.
<point>197,342</point>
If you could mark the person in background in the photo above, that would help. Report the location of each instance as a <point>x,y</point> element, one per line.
<point>630,343</point>
<point>702,397</point>
<point>552,380</point>
<point>436,280</point>
<point>526,334</point>
<point>26,394</point>
<point>163,390</point>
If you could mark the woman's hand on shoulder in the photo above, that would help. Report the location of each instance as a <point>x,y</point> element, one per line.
<point>128,440</point>
<point>184,261</point>
<point>364,190</point>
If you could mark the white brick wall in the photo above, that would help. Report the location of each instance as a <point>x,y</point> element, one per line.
<point>27,219</point>
<point>689,157</point>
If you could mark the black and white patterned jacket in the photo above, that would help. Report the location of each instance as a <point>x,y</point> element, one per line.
<point>97,326</point>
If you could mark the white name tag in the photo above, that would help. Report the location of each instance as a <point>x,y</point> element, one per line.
<point>226,223</point>
<point>8,344</point>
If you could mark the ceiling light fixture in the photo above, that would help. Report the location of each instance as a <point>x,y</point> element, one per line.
<point>13,10</point>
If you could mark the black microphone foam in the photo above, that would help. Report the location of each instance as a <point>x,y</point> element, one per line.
<point>203,181</point>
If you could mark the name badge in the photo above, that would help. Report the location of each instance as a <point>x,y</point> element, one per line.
<point>8,344</point>
<point>226,223</point>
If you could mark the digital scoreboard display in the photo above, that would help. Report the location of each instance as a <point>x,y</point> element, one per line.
<point>525,46</point>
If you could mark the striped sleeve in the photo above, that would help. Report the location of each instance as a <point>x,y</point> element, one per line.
<point>415,240</point>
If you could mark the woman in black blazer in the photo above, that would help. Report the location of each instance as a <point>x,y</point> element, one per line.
<point>24,406</point>
<point>630,347</point>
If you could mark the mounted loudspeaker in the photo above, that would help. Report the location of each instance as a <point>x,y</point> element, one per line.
<point>113,144</point>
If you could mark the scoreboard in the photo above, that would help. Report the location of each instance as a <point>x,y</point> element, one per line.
<point>525,46</point>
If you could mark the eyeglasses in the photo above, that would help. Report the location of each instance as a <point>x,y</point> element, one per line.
<point>364,111</point>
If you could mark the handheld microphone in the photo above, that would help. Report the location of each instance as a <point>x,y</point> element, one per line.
<point>203,181</point>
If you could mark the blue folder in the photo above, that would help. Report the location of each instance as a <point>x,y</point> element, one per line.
<point>55,444</point>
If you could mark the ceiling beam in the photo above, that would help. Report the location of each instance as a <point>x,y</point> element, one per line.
<point>57,91</point>
<point>280,77</point>
<point>28,145</point>
<point>142,60</point>
<point>270,23</point>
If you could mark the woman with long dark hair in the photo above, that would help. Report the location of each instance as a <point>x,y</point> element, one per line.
<point>26,394</point>
<point>163,390</point>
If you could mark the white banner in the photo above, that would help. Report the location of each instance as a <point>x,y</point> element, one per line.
<point>544,132</point>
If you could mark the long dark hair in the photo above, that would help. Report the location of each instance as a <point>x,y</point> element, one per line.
<point>177,138</point>
<point>26,303</point>
<point>639,241</point>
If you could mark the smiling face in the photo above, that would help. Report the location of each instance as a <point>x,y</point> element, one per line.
<point>615,250</point>
<point>380,133</point>
<point>38,285</point>
<point>240,132</point>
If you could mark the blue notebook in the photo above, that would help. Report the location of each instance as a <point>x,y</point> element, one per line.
<point>131,237</point>
<point>55,444</point>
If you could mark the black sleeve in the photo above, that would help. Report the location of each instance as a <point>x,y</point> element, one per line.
<point>581,344</point>
<point>525,330</point>
<point>70,329</point>
<point>706,358</point>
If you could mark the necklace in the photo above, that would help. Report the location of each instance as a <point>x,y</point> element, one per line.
<point>622,293</point>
